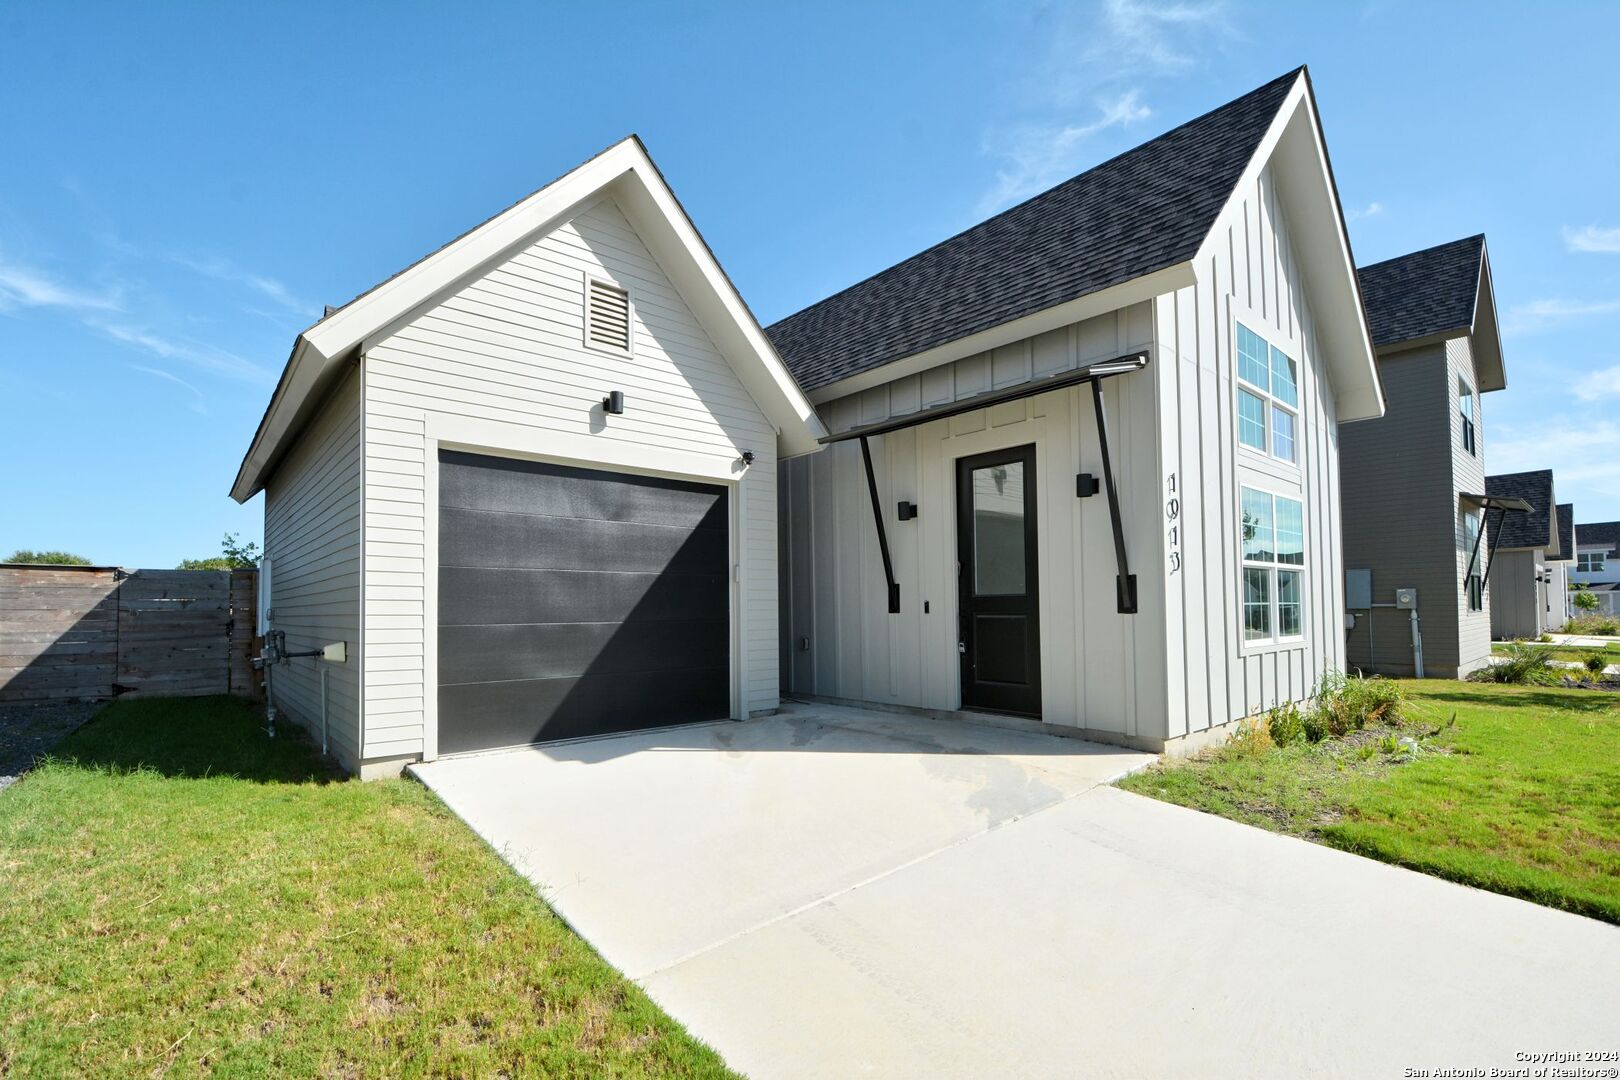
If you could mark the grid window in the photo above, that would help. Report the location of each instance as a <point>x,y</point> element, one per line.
<point>1465,407</point>
<point>1268,396</point>
<point>1471,580</point>
<point>1273,539</point>
<point>1590,562</point>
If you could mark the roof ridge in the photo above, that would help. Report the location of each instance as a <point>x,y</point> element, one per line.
<point>1422,251</point>
<point>1243,97</point>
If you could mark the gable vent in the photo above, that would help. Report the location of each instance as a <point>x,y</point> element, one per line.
<point>607,316</point>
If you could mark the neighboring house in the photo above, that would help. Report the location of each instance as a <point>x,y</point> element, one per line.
<point>1597,563</point>
<point>511,550</point>
<point>1525,551</point>
<point>1413,481</point>
<point>1559,568</point>
<point>1146,580</point>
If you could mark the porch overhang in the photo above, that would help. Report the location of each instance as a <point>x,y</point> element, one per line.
<point>1503,505</point>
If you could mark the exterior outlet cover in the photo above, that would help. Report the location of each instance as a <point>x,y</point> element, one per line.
<point>1406,599</point>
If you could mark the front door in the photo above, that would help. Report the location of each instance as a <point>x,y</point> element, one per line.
<point>999,596</point>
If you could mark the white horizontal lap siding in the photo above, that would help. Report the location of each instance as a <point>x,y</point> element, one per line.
<point>508,347</point>
<point>1100,670</point>
<point>312,510</point>
<point>1213,678</point>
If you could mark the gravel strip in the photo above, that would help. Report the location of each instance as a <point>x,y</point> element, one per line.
<point>27,732</point>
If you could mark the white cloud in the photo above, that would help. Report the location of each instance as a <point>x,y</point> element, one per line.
<point>198,404</point>
<point>1537,314</point>
<point>1372,209</point>
<point>1040,155</point>
<point>1599,385</point>
<point>222,270</point>
<point>1592,238</point>
<point>1583,453</point>
<point>22,286</point>
<point>1169,37</point>
<point>199,355</point>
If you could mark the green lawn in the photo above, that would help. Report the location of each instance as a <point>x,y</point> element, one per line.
<point>1521,795</point>
<point>1577,653</point>
<point>180,895</point>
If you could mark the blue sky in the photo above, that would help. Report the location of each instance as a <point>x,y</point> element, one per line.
<point>183,186</point>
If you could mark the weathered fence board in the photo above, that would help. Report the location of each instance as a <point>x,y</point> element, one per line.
<point>86,633</point>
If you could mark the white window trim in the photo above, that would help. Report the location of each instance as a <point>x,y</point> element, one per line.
<point>1290,346</point>
<point>1479,565</point>
<point>629,309</point>
<point>1274,642</point>
<point>1470,427</point>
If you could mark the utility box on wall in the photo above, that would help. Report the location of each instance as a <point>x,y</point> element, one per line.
<point>1406,599</point>
<point>1358,590</point>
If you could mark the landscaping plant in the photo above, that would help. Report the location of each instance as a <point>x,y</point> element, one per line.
<point>1522,662</point>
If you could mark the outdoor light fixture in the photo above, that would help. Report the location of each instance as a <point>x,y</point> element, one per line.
<point>613,404</point>
<point>747,457</point>
<point>906,511</point>
<point>1085,485</point>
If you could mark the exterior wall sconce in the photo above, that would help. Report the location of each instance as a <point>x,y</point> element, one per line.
<point>747,457</point>
<point>906,511</point>
<point>1085,485</point>
<point>613,404</point>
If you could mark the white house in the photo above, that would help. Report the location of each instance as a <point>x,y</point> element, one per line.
<point>1084,468</point>
<point>534,481</point>
<point>1597,563</point>
<point>531,483</point>
<point>1528,555</point>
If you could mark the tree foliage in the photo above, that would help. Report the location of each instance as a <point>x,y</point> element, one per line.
<point>234,555</point>
<point>53,558</point>
<point>1585,599</point>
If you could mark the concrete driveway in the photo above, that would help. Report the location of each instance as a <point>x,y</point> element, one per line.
<point>834,892</point>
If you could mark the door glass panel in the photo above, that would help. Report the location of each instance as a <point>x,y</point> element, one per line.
<point>998,530</point>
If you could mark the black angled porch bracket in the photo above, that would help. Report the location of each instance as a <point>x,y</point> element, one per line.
<point>1490,556</point>
<point>1125,582</point>
<point>883,535</point>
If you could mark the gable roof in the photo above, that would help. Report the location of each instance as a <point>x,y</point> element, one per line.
<point>1566,534</point>
<point>626,172</point>
<point>1532,530</point>
<point>1149,211</point>
<point>1601,532</point>
<point>1436,293</point>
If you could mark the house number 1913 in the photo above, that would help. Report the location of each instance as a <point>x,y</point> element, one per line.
<point>1172,514</point>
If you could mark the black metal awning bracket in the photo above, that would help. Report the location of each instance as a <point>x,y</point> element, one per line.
<point>882,533</point>
<point>1125,581</point>
<point>1490,553</point>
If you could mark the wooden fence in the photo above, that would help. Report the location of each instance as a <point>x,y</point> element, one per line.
<point>94,632</point>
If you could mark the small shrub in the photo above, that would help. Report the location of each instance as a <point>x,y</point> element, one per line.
<point>1342,704</point>
<point>1313,724</point>
<point>1545,639</point>
<point>1251,739</point>
<point>1602,625</point>
<point>1520,663</point>
<point>1285,724</point>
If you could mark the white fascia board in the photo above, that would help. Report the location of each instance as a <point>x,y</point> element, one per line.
<point>1113,298</point>
<point>1486,334</point>
<point>625,167</point>
<point>1293,148</point>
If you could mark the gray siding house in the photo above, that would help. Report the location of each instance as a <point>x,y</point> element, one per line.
<point>1084,465</point>
<point>1597,563</point>
<point>1413,480</point>
<point>1526,570</point>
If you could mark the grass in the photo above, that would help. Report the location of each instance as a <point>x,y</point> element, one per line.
<point>1520,795</point>
<point>183,896</point>
<point>1576,653</point>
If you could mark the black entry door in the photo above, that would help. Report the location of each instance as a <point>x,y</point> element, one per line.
<point>999,594</point>
<point>577,602</point>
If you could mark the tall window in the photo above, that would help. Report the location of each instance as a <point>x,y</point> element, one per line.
<point>1267,397</point>
<point>1465,406</point>
<point>1590,562</point>
<point>1471,582</point>
<point>1273,535</point>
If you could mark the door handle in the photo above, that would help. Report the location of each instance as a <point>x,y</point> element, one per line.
<point>961,647</point>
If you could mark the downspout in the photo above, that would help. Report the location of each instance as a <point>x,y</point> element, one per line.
<point>326,673</point>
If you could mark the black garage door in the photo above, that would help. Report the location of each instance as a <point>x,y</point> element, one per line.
<point>576,602</point>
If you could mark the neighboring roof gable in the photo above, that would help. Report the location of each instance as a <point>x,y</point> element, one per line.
<point>1601,532</point>
<point>1143,211</point>
<point>625,171</point>
<point>1436,293</point>
<point>1566,533</point>
<point>1532,530</point>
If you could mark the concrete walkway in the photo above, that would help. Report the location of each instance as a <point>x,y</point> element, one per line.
<point>836,893</point>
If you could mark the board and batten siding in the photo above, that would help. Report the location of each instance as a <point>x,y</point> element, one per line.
<point>312,530</point>
<point>1213,676</point>
<point>1473,628</point>
<point>1179,666</point>
<point>506,351</point>
<point>1101,671</point>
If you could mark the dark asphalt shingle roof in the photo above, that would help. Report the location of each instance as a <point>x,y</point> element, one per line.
<point>1142,211</point>
<point>1427,292</point>
<point>1600,532</point>
<point>1566,534</point>
<point>1530,530</point>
